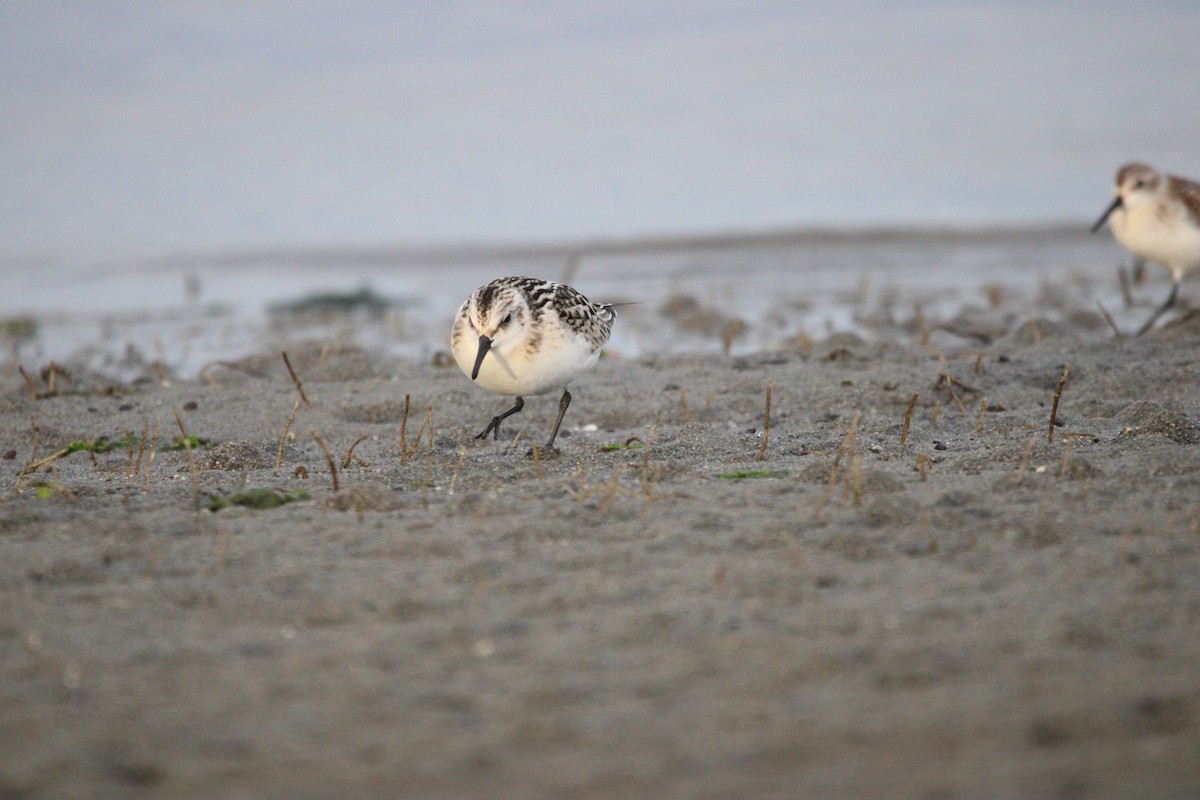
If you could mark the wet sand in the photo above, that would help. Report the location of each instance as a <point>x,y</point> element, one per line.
<point>974,612</point>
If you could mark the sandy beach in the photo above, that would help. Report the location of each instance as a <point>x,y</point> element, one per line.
<point>902,583</point>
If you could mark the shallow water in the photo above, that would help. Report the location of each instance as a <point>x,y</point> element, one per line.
<point>744,293</point>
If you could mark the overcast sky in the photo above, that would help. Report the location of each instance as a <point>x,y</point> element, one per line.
<point>228,124</point>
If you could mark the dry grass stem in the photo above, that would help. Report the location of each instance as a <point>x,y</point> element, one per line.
<point>137,467</point>
<point>427,480</point>
<point>978,370</point>
<point>950,388</point>
<point>982,408</point>
<point>683,406</point>
<point>129,462</point>
<point>33,395</point>
<point>404,431</point>
<point>908,418</point>
<point>328,457</point>
<point>1024,465</point>
<point>427,423</point>
<point>922,465</point>
<point>150,458</point>
<point>34,466</point>
<point>936,412</point>
<point>346,459</point>
<point>462,457</point>
<point>1062,381</point>
<point>287,362</point>
<point>191,457</point>
<point>762,451</point>
<point>847,449</point>
<point>283,436</point>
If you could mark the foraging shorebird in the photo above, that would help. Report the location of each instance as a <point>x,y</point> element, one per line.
<point>1157,218</point>
<point>524,336</point>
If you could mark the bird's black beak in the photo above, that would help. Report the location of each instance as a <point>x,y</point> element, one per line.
<point>1116,203</point>
<point>485,344</point>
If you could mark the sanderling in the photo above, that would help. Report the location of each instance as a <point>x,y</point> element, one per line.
<point>524,336</point>
<point>1157,218</point>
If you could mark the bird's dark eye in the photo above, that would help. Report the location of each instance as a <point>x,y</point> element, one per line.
<point>507,319</point>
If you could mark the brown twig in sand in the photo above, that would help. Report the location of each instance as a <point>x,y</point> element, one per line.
<point>287,362</point>
<point>426,423</point>
<point>33,466</point>
<point>982,408</point>
<point>1054,407</point>
<point>328,457</point>
<point>950,388</point>
<point>283,436</point>
<point>137,467</point>
<point>51,482</point>
<point>923,462</point>
<point>191,456</point>
<point>404,432</point>
<point>462,457</point>
<point>346,459</point>
<point>427,480</point>
<point>1024,465</point>
<point>951,382</point>
<point>129,463</point>
<point>52,379</point>
<point>978,364</point>
<point>431,427</point>
<point>847,449</point>
<point>762,451</point>
<point>908,418</point>
<point>33,395</point>
<point>1112,323</point>
<point>150,458</point>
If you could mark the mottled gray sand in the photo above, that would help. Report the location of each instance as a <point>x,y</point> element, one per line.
<point>977,613</point>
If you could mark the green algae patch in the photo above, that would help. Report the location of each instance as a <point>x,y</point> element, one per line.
<point>748,474</point>
<point>259,498</point>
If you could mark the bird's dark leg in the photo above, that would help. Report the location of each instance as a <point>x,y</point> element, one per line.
<point>1162,309</point>
<point>494,426</point>
<point>562,411</point>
